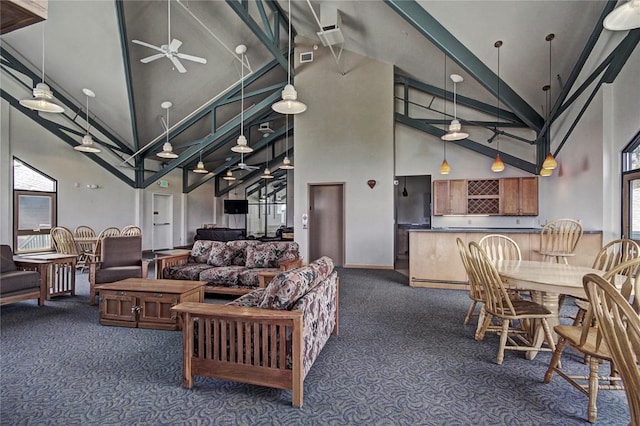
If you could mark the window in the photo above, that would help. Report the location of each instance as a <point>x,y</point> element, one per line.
<point>631,189</point>
<point>34,208</point>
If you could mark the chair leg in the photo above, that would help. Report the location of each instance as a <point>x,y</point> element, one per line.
<point>592,410</point>
<point>503,340</point>
<point>548,336</point>
<point>484,321</point>
<point>555,359</point>
<point>472,308</point>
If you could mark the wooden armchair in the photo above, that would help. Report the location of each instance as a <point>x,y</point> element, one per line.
<point>559,238</point>
<point>120,258</point>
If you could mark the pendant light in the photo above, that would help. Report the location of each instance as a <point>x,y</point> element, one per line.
<point>267,173</point>
<point>286,163</point>
<point>289,103</point>
<point>405,193</point>
<point>624,17</point>
<point>455,133</point>
<point>42,94</point>
<point>200,167</point>
<point>167,149</point>
<point>549,162</point>
<point>241,145</point>
<point>87,141</point>
<point>445,169</point>
<point>498,165</point>
<point>229,176</point>
<point>546,172</point>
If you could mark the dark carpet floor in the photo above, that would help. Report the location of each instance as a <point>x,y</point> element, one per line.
<point>402,357</point>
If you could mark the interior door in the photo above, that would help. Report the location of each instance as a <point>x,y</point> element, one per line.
<point>326,222</point>
<point>162,219</point>
<point>631,206</point>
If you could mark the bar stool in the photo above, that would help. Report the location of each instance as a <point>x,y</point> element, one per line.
<point>558,239</point>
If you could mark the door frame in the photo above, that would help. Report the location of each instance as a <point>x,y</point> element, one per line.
<point>342,185</point>
<point>170,216</point>
<point>626,178</point>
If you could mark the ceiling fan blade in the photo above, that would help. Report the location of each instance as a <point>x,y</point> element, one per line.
<point>175,45</point>
<point>150,46</point>
<point>152,58</point>
<point>177,64</point>
<point>191,58</point>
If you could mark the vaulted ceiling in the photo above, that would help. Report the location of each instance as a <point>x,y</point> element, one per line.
<point>89,44</point>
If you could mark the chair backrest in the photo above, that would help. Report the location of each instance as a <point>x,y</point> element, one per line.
<point>121,251</point>
<point>130,230</point>
<point>560,236</point>
<point>475,288</point>
<point>107,232</point>
<point>84,231</point>
<point>620,326</point>
<point>63,240</point>
<point>497,299</point>
<point>615,253</point>
<point>500,247</point>
<point>629,288</point>
<point>6,259</point>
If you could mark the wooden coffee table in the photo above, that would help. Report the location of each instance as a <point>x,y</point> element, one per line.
<point>146,303</point>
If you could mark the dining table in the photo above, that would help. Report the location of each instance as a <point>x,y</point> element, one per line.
<point>547,282</point>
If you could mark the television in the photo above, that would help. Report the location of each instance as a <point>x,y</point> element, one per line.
<point>236,206</point>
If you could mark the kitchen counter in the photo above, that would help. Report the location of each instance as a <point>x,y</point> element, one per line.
<point>490,230</point>
<point>434,260</point>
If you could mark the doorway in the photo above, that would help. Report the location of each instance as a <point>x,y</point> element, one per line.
<point>162,220</point>
<point>412,211</point>
<point>326,222</point>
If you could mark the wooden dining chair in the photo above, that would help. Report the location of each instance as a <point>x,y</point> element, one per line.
<point>516,315</point>
<point>85,248</point>
<point>63,241</point>
<point>130,230</point>
<point>610,255</point>
<point>559,238</point>
<point>587,339</point>
<point>619,324</point>
<point>476,293</point>
<point>500,247</point>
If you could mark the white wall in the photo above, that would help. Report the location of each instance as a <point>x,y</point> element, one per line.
<point>346,136</point>
<point>114,203</point>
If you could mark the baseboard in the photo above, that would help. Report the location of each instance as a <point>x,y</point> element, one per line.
<point>351,266</point>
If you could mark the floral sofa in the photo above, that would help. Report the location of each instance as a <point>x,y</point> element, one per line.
<point>231,267</point>
<point>268,337</point>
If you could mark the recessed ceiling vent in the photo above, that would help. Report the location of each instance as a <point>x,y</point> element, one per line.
<point>331,23</point>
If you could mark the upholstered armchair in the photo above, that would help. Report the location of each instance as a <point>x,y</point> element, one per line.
<point>120,258</point>
<point>21,280</point>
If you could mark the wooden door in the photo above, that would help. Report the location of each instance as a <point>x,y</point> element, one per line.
<point>326,222</point>
<point>458,196</point>
<point>509,197</point>
<point>528,196</point>
<point>440,197</point>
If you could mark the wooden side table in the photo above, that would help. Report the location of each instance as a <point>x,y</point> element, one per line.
<point>57,270</point>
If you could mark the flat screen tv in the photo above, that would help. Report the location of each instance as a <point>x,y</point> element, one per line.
<point>236,206</point>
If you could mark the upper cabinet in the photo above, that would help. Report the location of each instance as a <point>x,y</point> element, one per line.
<point>519,196</point>
<point>495,197</point>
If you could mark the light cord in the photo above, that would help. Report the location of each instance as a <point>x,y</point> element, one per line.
<point>87,114</point>
<point>43,52</point>
<point>242,97</point>
<point>289,51</point>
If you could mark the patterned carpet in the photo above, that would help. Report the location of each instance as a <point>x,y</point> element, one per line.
<point>402,357</point>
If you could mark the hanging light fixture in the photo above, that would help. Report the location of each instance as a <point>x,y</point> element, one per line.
<point>289,103</point>
<point>241,145</point>
<point>87,144</point>
<point>167,149</point>
<point>286,163</point>
<point>42,94</point>
<point>546,172</point>
<point>200,167</point>
<point>624,17</point>
<point>498,165</point>
<point>229,176</point>
<point>267,173</point>
<point>549,162</point>
<point>445,169</point>
<point>455,133</point>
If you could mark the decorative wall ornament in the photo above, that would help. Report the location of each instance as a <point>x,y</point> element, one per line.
<point>371,183</point>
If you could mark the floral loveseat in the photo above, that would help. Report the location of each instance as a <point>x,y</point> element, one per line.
<point>231,267</point>
<point>268,337</point>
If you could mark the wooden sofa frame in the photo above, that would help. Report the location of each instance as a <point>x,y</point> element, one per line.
<point>181,259</point>
<point>243,337</point>
<point>40,266</point>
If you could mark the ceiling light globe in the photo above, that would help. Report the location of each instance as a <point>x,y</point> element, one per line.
<point>267,174</point>
<point>445,169</point>
<point>289,103</point>
<point>550,162</point>
<point>87,145</point>
<point>546,172</point>
<point>286,164</point>
<point>42,100</point>
<point>497,165</point>
<point>200,168</point>
<point>167,151</point>
<point>241,146</point>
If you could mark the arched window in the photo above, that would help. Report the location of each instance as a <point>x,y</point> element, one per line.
<point>34,208</point>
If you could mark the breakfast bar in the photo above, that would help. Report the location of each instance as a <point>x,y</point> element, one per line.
<point>434,260</point>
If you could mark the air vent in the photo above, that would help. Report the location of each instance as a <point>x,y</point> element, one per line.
<point>306,57</point>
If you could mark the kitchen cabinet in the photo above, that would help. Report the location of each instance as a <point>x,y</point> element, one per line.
<point>519,196</point>
<point>449,197</point>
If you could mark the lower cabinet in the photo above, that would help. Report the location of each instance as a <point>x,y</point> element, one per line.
<point>141,309</point>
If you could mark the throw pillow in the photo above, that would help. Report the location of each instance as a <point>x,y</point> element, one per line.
<point>260,256</point>
<point>286,288</point>
<point>200,251</point>
<point>221,255</point>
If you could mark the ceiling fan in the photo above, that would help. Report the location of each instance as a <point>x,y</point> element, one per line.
<point>244,166</point>
<point>169,50</point>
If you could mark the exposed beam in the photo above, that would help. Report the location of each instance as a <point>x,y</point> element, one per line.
<point>623,51</point>
<point>271,45</point>
<point>468,143</point>
<point>247,177</point>
<point>431,29</point>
